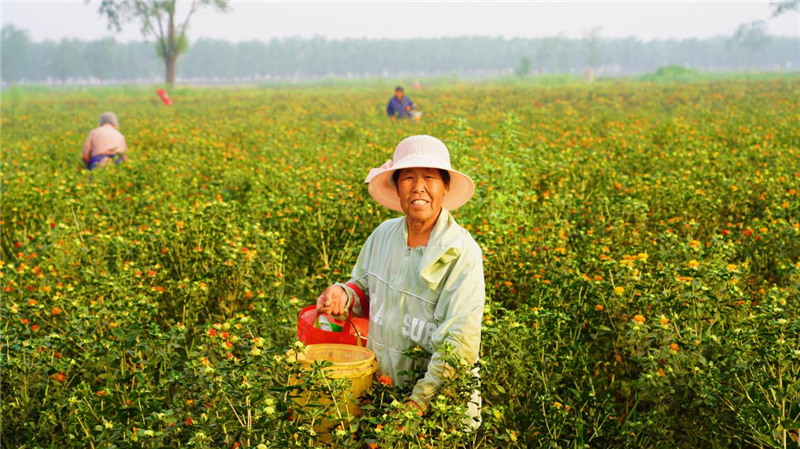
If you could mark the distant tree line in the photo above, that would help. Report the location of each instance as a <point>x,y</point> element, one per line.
<point>207,59</point>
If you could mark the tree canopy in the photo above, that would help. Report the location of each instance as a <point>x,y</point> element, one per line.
<point>158,20</point>
<point>209,60</point>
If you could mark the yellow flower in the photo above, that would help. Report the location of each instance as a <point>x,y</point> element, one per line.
<point>694,264</point>
<point>557,404</point>
<point>619,290</point>
<point>731,267</point>
<point>638,319</point>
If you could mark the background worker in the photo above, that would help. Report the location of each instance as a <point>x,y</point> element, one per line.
<point>399,105</point>
<point>104,143</point>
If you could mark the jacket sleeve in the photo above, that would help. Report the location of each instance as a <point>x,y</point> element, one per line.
<point>389,109</point>
<point>359,278</point>
<point>459,312</point>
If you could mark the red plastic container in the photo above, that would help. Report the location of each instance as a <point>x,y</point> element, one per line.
<point>354,329</point>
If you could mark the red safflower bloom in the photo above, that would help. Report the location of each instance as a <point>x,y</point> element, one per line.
<point>189,421</point>
<point>35,328</point>
<point>56,311</point>
<point>386,380</point>
<point>212,332</point>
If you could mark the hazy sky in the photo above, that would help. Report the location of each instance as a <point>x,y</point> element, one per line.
<point>264,20</point>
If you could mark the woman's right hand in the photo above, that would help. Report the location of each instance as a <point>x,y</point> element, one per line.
<point>332,301</point>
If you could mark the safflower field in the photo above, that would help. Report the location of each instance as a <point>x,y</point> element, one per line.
<point>641,246</point>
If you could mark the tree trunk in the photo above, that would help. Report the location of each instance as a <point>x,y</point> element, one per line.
<point>172,48</point>
<point>170,63</point>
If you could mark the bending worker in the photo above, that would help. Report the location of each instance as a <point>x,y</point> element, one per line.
<point>422,273</point>
<point>105,143</point>
<point>399,105</point>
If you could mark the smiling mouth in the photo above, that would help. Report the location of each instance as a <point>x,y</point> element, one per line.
<point>419,202</point>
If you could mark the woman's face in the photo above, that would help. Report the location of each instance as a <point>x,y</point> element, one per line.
<point>421,192</point>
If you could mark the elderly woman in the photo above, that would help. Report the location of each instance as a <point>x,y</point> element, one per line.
<point>422,273</point>
<point>105,143</point>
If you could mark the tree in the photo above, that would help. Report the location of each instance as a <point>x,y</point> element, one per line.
<point>157,19</point>
<point>16,53</point>
<point>751,37</point>
<point>102,57</point>
<point>591,42</point>
<point>67,60</point>
<point>782,7</point>
<point>523,68</point>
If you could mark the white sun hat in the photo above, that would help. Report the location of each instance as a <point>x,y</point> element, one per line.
<point>421,152</point>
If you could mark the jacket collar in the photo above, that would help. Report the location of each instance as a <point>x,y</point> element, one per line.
<point>444,246</point>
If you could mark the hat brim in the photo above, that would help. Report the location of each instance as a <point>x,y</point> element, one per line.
<point>383,190</point>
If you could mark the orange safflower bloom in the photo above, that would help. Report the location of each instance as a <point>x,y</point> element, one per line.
<point>56,311</point>
<point>638,319</point>
<point>386,380</point>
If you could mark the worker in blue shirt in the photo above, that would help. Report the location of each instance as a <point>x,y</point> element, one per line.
<point>400,105</point>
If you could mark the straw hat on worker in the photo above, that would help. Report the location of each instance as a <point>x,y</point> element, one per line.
<point>419,152</point>
<point>419,277</point>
